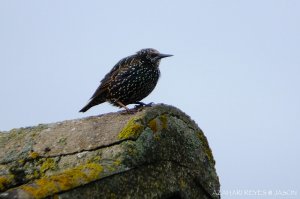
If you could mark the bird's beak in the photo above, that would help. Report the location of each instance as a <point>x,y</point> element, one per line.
<point>163,55</point>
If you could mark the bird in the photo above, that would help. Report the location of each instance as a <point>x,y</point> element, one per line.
<point>132,79</point>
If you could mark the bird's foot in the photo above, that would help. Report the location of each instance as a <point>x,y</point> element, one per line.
<point>140,105</point>
<point>137,108</point>
<point>129,111</point>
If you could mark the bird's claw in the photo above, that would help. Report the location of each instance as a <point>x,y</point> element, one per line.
<point>149,104</point>
<point>140,105</point>
<point>129,111</point>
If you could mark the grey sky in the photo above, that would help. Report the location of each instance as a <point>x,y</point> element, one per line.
<point>235,71</point>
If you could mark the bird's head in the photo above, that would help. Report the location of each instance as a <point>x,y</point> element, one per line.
<point>151,55</point>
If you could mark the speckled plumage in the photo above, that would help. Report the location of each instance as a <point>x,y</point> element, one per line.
<point>132,79</point>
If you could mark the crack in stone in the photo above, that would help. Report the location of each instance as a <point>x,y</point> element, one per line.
<point>88,150</point>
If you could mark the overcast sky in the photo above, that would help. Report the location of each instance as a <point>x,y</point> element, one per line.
<point>235,71</point>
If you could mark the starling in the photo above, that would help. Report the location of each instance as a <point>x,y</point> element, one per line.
<point>132,79</point>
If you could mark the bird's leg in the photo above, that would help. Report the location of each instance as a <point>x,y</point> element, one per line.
<point>142,104</point>
<point>122,105</point>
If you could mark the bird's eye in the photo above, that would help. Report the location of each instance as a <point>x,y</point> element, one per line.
<point>153,55</point>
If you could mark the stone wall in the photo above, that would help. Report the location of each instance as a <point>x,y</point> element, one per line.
<point>158,152</point>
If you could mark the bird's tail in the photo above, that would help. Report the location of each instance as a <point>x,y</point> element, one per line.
<point>92,103</point>
<point>85,108</point>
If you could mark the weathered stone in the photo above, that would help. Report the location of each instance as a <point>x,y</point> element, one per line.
<point>158,152</point>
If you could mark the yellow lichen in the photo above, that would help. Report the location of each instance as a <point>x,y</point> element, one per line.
<point>55,196</point>
<point>34,175</point>
<point>114,166</point>
<point>112,196</point>
<point>182,183</point>
<point>21,161</point>
<point>66,180</point>
<point>205,145</point>
<point>153,125</point>
<point>33,155</point>
<point>164,121</point>
<point>159,123</point>
<point>5,180</point>
<point>131,130</point>
<point>96,158</point>
<point>117,162</point>
<point>48,164</point>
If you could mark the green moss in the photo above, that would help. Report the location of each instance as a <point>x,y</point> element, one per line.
<point>130,150</point>
<point>66,180</point>
<point>132,130</point>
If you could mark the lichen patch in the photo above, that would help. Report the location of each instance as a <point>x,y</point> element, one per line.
<point>132,130</point>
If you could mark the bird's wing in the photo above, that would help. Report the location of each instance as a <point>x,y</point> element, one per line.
<point>120,67</point>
